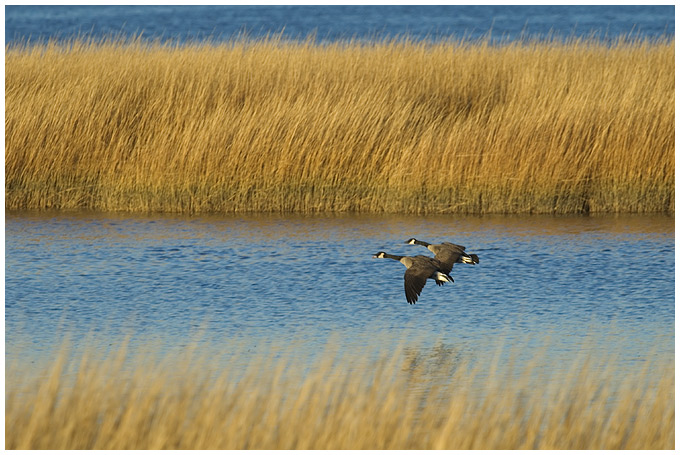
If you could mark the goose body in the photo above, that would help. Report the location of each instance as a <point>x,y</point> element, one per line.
<point>447,253</point>
<point>418,270</point>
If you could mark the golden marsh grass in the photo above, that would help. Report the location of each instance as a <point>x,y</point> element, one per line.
<point>391,126</point>
<point>390,402</point>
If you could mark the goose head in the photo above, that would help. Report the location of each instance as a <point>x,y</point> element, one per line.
<point>379,254</point>
<point>411,241</point>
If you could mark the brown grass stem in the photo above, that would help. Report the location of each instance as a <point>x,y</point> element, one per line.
<point>405,400</point>
<point>390,126</point>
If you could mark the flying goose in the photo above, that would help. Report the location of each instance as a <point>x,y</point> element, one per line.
<point>447,253</point>
<point>419,269</point>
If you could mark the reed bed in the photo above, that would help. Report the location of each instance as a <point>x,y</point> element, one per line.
<point>295,126</point>
<point>390,402</point>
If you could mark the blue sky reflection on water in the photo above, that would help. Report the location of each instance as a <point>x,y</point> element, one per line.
<point>341,22</point>
<point>242,284</point>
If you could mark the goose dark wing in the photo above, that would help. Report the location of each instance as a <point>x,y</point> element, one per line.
<point>414,280</point>
<point>453,245</point>
<point>447,257</point>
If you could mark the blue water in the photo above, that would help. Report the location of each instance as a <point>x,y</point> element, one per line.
<point>339,22</point>
<point>295,283</point>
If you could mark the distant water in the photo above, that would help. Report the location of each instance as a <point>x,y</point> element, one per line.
<point>339,22</point>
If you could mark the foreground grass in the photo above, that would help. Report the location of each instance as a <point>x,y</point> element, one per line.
<point>389,403</point>
<point>383,127</point>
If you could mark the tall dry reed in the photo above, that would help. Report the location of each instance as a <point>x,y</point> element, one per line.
<point>339,402</point>
<point>390,126</point>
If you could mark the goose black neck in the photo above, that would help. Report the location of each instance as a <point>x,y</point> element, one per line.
<point>420,242</point>
<point>392,256</point>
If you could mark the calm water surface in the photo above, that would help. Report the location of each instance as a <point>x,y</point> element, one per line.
<point>297,283</point>
<point>499,22</point>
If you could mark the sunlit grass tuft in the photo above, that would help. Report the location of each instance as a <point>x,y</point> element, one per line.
<point>389,126</point>
<point>395,401</point>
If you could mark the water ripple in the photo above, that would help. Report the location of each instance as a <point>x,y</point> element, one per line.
<point>274,279</point>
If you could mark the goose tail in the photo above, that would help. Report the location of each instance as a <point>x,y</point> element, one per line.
<point>470,259</point>
<point>442,278</point>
